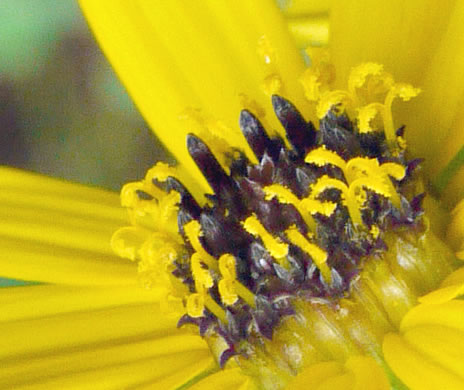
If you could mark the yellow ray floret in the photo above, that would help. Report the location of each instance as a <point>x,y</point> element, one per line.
<point>274,245</point>
<point>318,255</point>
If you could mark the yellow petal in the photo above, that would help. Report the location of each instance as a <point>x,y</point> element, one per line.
<point>442,345</point>
<point>315,375</point>
<point>309,30</point>
<point>304,7</point>
<point>358,373</point>
<point>45,300</point>
<point>228,379</point>
<point>26,260</point>
<point>444,294</point>
<point>59,232</point>
<point>175,358</point>
<point>76,329</point>
<point>444,82</point>
<point>174,55</point>
<point>447,314</point>
<point>162,372</point>
<point>415,369</point>
<point>368,375</point>
<point>455,278</point>
<point>385,32</point>
<point>455,233</point>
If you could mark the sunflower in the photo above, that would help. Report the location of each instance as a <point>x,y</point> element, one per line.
<point>293,250</point>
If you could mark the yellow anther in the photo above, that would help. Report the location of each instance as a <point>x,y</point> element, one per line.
<point>227,266</point>
<point>193,232</point>
<point>286,196</point>
<point>227,291</point>
<point>318,255</point>
<point>195,305</point>
<point>360,73</point>
<point>274,246</point>
<point>322,156</point>
<point>201,275</point>
<point>331,99</point>
<point>161,171</point>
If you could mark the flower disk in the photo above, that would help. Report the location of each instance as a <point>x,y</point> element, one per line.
<point>299,225</point>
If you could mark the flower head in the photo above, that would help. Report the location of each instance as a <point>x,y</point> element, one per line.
<point>299,246</point>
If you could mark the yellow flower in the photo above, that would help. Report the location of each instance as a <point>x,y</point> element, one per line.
<point>192,68</point>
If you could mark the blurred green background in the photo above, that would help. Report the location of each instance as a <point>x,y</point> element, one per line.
<point>63,112</point>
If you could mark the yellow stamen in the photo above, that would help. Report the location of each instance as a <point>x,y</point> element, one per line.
<point>197,302</point>
<point>201,276</point>
<point>366,114</point>
<point>229,287</point>
<point>322,156</point>
<point>349,198</point>
<point>227,266</point>
<point>360,73</point>
<point>370,167</point>
<point>405,92</point>
<point>318,255</point>
<point>314,206</point>
<point>227,291</point>
<point>193,232</point>
<point>216,309</point>
<point>274,246</point>
<point>284,195</point>
<point>332,99</point>
<point>195,305</point>
<point>161,171</point>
